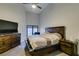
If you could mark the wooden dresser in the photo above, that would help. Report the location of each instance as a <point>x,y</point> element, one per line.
<point>8,41</point>
<point>68,47</point>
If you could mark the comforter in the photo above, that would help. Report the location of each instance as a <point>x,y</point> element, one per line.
<point>47,39</point>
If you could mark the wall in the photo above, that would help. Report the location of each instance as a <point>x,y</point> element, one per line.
<point>17,13</point>
<point>61,15</point>
<point>32,18</point>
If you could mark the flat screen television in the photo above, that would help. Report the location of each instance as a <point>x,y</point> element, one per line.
<point>8,27</point>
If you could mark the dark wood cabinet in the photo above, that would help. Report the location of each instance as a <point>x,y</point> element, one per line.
<point>68,47</point>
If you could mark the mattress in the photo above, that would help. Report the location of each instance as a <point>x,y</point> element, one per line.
<point>40,41</point>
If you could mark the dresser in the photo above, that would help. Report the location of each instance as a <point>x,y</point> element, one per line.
<point>68,47</point>
<point>9,41</point>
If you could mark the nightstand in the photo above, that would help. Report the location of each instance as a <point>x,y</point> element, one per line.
<point>67,47</point>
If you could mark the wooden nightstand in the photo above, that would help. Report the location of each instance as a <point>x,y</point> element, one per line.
<point>67,47</point>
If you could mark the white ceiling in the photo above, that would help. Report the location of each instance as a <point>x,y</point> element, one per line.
<point>28,7</point>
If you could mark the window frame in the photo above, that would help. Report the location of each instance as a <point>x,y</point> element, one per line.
<point>32,26</point>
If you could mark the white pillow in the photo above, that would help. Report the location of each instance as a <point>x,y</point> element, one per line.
<point>52,36</point>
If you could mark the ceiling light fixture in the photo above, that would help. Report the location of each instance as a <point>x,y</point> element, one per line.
<point>34,6</point>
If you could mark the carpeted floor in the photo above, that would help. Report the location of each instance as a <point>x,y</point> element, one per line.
<point>19,51</point>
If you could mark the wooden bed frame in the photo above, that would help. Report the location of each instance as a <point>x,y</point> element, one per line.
<point>59,29</point>
<point>50,49</point>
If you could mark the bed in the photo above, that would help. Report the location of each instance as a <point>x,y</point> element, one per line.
<point>48,48</point>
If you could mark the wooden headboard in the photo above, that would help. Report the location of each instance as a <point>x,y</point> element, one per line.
<point>59,29</point>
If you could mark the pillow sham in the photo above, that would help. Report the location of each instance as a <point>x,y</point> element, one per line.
<point>52,36</point>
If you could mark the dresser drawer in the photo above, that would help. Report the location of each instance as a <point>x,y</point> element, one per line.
<point>67,47</point>
<point>66,50</point>
<point>66,44</point>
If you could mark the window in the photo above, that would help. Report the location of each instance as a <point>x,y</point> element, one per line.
<point>31,29</point>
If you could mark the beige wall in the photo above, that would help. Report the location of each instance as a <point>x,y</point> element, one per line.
<point>17,13</point>
<point>32,18</point>
<point>61,15</point>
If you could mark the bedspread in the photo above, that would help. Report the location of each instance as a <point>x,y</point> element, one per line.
<point>40,41</point>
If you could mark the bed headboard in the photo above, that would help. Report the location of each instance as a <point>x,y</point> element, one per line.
<point>59,29</point>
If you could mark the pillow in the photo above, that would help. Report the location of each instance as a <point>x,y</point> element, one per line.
<point>52,36</point>
<point>59,35</point>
